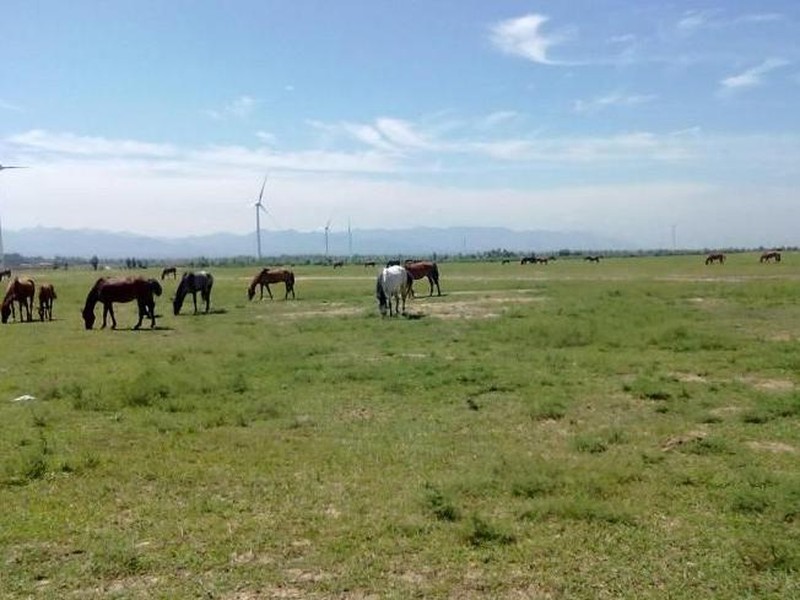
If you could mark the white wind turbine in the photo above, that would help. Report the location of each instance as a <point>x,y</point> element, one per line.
<point>259,207</point>
<point>327,229</point>
<point>2,252</point>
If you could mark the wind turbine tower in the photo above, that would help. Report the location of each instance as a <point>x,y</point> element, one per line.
<point>2,252</point>
<point>327,229</point>
<point>259,207</point>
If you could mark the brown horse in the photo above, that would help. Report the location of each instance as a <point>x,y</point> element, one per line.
<point>369,263</point>
<point>592,258</point>
<point>5,273</point>
<point>542,260</point>
<point>428,269</point>
<point>716,257</point>
<point>338,264</point>
<point>267,276</point>
<point>528,259</point>
<point>169,271</point>
<point>47,294</point>
<point>770,256</point>
<point>20,291</point>
<point>126,289</point>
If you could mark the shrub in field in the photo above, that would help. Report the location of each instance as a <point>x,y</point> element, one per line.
<point>481,533</point>
<point>442,507</point>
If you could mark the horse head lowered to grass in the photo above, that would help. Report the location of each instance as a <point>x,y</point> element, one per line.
<point>109,291</point>
<point>191,283</point>
<point>21,291</point>
<point>394,283</point>
<point>267,276</point>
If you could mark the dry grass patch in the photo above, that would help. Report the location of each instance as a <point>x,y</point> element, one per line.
<point>774,447</point>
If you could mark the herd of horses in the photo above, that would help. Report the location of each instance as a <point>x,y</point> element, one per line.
<point>393,286</point>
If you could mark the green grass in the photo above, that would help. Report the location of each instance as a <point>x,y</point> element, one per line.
<point>627,429</point>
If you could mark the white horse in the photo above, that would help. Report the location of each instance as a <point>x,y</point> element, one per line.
<point>393,282</point>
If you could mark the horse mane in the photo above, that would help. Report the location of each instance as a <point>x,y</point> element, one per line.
<point>92,298</point>
<point>155,287</point>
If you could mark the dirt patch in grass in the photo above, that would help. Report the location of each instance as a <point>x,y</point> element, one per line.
<point>689,378</point>
<point>775,447</point>
<point>677,441</point>
<point>478,308</point>
<point>769,385</point>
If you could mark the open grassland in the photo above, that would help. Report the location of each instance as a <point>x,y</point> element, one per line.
<point>576,430</point>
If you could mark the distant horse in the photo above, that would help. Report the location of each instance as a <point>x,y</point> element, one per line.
<point>428,269</point>
<point>369,263</point>
<point>338,264</point>
<point>393,283</point>
<point>169,271</point>
<point>542,260</point>
<point>267,276</point>
<point>717,257</point>
<point>505,261</point>
<point>392,263</point>
<point>592,258</point>
<point>528,259</point>
<point>20,291</point>
<point>5,273</point>
<point>769,256</point>
<point>47,294</point>
<point>191,283</point>
<point>108,291</point>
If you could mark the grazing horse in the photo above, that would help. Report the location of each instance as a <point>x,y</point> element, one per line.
<point>769,256</point>
<point>267,276</point>
<point>20,291</point>
<point>191,283</point>
<point>393,282</point>
<point>421,269</point>
<point>5,273</point>
<point>338,264</point>
<point>528,259</point>
<point>592,258</point>
<point>369,263</point>
<point>108,291</point>
<point>717,257</point>
<point>47,294</point>
<point>169,271</point>
<point>542,261</point>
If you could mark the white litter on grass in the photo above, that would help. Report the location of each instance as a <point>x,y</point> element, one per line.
<point>23,398</point>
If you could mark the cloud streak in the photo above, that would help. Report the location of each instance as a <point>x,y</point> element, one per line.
<point>752,77</point>
<point>523,37</point>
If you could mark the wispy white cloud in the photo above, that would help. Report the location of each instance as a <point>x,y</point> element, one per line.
<point>240,108</point>
<point>695,19</point>
<point>752,77</point>
<point>8,106</point>
<point>760,18</point>
<point>611,100</point>
<point>498,118</point>
<point>523,37</point>
<point>70,144</point>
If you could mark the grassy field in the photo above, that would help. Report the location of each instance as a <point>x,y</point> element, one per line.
<point>627,429</point>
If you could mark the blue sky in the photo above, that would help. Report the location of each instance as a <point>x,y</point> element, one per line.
<point>628,119</point>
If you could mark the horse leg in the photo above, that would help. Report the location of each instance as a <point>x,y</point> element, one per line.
<point>269,291</point>
<point>194,299</point>
<point>151,306</point>
<point>142,313</point>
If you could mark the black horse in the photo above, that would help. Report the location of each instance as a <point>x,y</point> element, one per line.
<point>191,283</point>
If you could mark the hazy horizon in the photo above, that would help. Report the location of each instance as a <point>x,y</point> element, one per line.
<point>666,125</point>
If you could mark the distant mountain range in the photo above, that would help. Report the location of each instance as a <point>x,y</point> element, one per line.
<point>54,242</point>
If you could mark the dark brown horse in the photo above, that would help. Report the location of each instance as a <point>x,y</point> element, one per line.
<point>369,263</point>
<point>528,259</point>
<point>191,283</point>
<point>428,269</point>
<point>47,294</point>
<point>338,264</point>
<point>267,276</point>
<point>542,260</point>
<point>20,291</point>
<point>592,258</point>
<point>770,256</point>
<point>5,273</point>
<point>716,257</point>
<point>169,271</point>
<point>108,291</point>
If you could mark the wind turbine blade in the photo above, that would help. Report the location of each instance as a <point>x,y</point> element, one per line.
<point>261,194</point>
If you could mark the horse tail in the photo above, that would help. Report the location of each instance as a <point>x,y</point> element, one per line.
<point>435,273</point>
<point>409,280</point>
<point>155,287</point>
<point>290,279</point>
<point>380,293</point>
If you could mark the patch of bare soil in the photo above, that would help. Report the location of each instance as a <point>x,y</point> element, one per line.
<point>776,447</point>
<point>685,438</point>
<point>769,385</point>
<point>479,308</point>
<point>689,378</point>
